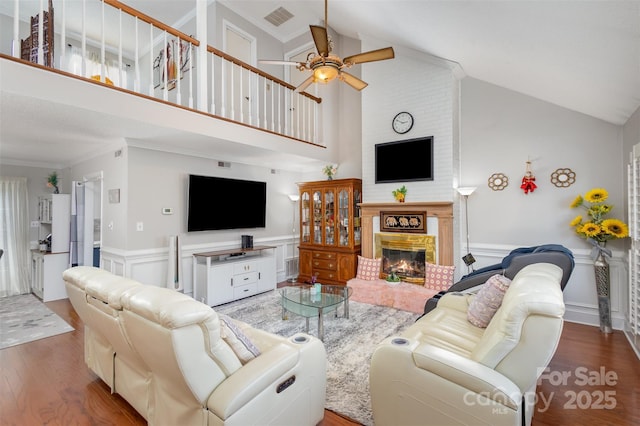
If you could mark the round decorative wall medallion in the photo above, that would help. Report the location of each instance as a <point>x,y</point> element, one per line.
<point>563,178</point>
<point>498,181</point>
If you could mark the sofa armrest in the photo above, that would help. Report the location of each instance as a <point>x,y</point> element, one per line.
<point>305,360</point>
<point>250,380</point>
<point>467,373</point>
<point>457,301</point>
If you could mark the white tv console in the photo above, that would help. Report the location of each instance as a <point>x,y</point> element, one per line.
<point>227,275</point>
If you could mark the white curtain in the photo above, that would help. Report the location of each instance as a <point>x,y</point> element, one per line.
<point>94,66</point>
<point>15,263</point>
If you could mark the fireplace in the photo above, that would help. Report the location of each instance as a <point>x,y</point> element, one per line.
<point>405,254</point>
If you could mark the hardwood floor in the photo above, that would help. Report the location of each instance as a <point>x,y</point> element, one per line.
<point>47,382</point>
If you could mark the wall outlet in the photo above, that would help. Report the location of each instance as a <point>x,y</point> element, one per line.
<point>35,223</point>
<point>139,226</point>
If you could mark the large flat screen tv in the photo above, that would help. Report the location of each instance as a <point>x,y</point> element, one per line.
<point>220,203</point>
<point>404,161</point>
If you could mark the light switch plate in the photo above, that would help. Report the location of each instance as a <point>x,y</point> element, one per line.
<point>114,196</point>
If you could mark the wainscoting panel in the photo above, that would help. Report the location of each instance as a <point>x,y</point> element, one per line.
<point>580,296</point>
<point>151,266</point>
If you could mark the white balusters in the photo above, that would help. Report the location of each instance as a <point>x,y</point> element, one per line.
<point>178,56</point>
<point>15,44</point>
<point>120,67</point>
<point>265,89</point>
<point>241,97</point>
<point>84,38</point>
<point>279,110</point>
<point>165,67</point>
<point>63,37</point>
<point>191,71</point>
<point>103,68</point>
<point>213,84</point>
<point>237,91</point>
<point>223,87</point>
<point>231,95</point>
<point>136,84</point>
<point>151,60</point>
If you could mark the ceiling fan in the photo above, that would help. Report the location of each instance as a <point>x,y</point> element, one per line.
<point>325,66</point>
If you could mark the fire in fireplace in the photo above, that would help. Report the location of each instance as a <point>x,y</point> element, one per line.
<point>405,254</point>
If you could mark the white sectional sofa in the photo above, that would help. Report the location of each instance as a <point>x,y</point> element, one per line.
<point>176,363</point>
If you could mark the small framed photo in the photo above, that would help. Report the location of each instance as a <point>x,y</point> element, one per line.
<point>403,222</point>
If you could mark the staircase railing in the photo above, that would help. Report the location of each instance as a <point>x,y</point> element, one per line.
<point>119,46</point>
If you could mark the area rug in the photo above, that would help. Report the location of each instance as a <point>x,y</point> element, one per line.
<point>349,344</point>
<point>24,318</point>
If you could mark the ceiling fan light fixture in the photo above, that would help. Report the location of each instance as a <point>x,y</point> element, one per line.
<point>325,66</point>
<point>325,73</point>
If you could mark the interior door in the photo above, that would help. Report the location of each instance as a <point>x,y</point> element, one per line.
<point>240,45</point>
<point>86,219</point>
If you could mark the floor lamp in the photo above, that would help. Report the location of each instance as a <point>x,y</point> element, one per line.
<point>465,191</point>
<point>294,199</point>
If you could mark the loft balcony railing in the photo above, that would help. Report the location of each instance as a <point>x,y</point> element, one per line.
<point>110,42</point>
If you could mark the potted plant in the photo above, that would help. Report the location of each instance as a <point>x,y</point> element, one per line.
<point>52,182</point>
<point>330,170</point>
<point>399,194</point>
<point>393,277</point>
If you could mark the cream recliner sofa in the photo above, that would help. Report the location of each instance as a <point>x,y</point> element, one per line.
<point>169,357</point>
<point>443,370</point>
<point>96,296</point>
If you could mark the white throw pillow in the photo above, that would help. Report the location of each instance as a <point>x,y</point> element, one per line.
<point>240,343</point>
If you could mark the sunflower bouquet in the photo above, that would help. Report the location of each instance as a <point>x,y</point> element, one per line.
<point>596,227</point>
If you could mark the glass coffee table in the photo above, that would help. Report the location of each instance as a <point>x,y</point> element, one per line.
<point>300,300</point>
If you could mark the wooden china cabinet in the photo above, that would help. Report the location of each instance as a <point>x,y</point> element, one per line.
<point>330,230</point>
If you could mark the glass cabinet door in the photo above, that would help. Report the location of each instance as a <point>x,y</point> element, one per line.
<point>305,217</point>
<point>343,217</point>
<point>357,199</point>
<point>317,217</point>
<point>329,218</point>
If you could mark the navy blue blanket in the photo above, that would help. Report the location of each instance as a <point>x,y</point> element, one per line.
<point>519,251</point>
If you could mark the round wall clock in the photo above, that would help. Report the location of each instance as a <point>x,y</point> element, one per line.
<point>402,122</point>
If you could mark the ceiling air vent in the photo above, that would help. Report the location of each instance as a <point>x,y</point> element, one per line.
<point>279,16</point>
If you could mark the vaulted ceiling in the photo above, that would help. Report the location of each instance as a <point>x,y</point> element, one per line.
<point>582,55</point>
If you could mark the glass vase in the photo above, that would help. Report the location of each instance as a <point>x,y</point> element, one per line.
<point>603,288</point>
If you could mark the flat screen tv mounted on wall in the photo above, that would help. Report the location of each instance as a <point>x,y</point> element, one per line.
<point>217,203</point>
<point>404,161</point>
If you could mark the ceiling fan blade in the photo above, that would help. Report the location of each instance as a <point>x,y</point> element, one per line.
<point>304,84</point>
<point>270,62</point>
<point>320,39</point>
<point>371,56</point>
<point>352,80</point>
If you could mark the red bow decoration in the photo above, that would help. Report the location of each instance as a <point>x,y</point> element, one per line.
<point>528,184</point>
<point>528,180</point>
